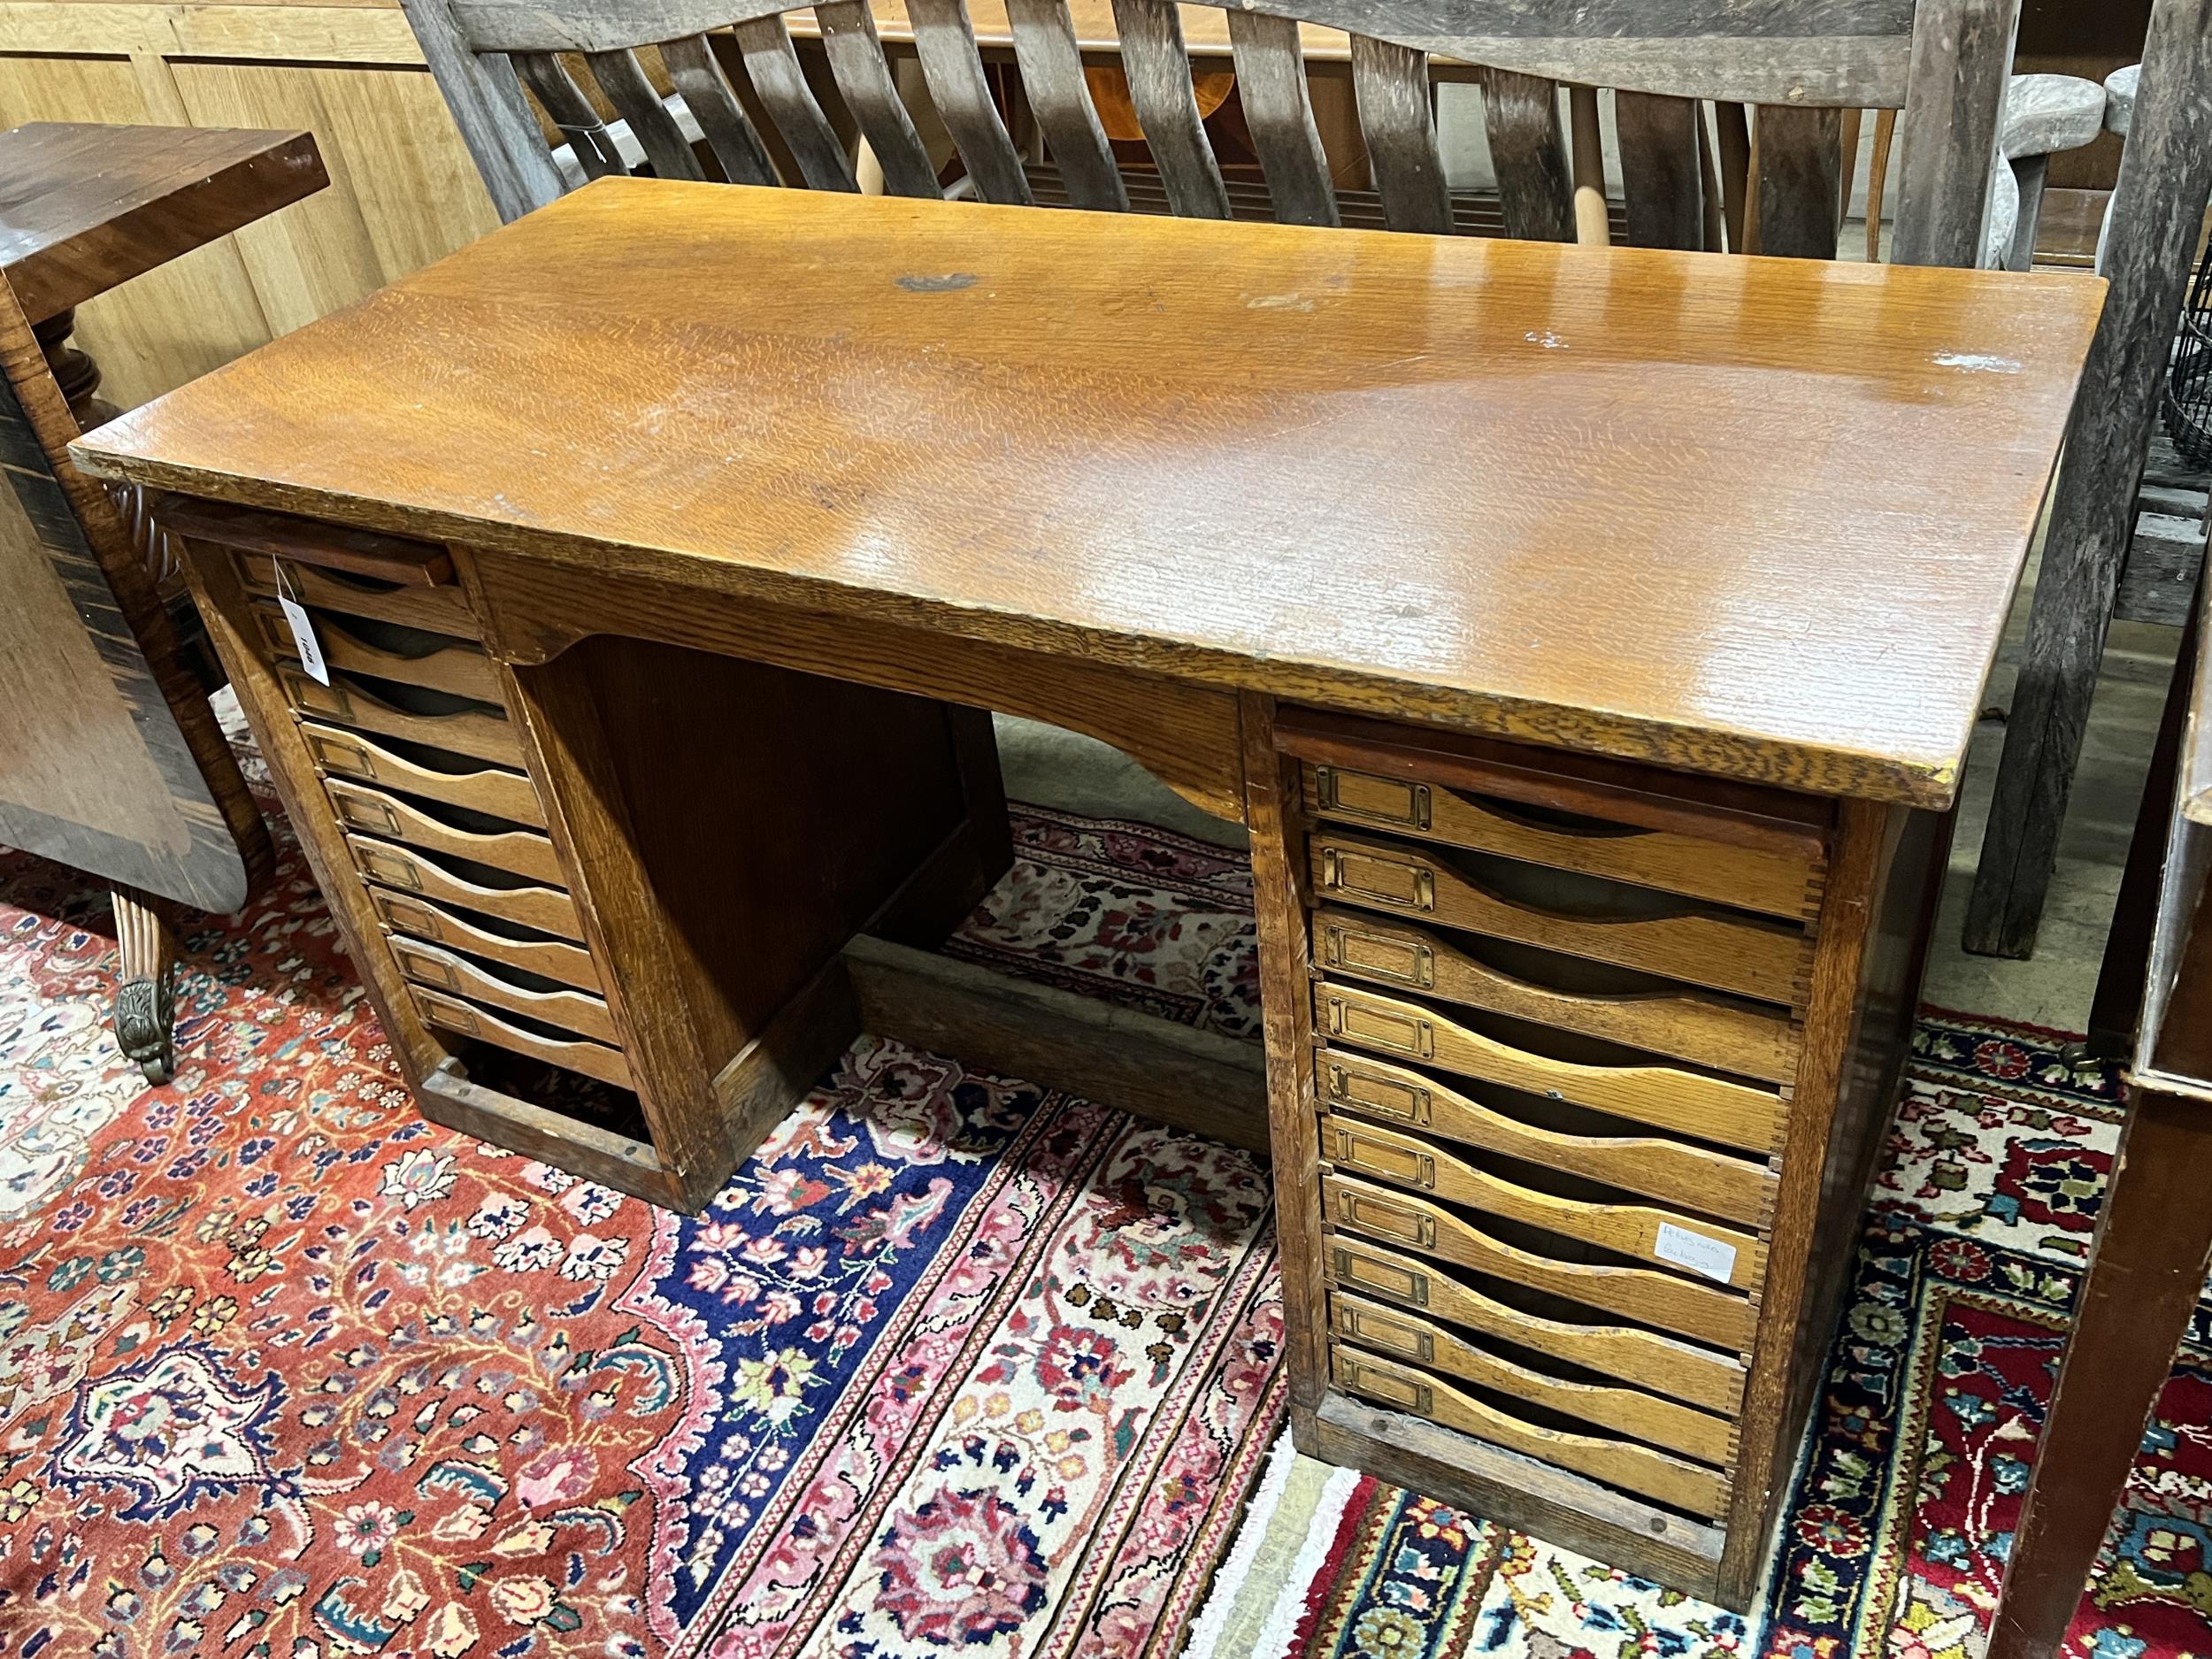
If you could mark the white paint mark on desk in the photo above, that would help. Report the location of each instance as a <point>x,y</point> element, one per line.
<point>1977,363</point>
<point>1549,341</point>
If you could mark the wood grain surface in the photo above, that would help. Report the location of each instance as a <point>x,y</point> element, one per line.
<point>85,206</point>
<point>1609,500</point>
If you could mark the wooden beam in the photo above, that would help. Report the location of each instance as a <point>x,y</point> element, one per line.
<point>1118,1057</point>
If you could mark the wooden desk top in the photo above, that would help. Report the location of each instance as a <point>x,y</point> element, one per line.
<point>86,206</point>
<point>1761,519</point>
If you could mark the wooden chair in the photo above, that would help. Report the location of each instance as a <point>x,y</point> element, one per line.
<point>1943,63</point>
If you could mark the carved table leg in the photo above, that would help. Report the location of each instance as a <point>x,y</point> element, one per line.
<point>145,1010</point>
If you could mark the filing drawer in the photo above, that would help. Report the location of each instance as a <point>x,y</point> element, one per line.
<point>1688,1103</point>
<point>457,779</point>
<point>1674,1481</point>
<point>1421,1227</point>
<point>456,667</point>
<point>1745,1037</point>
<point>1776,881</point>
<point>548,910</point>
<point>1694,1177</point>
<point>551,958</point>
<point>1415,1340</point>
<point>1679,1370</point>
<point>443,609</point>
<point>467,729</point>
<point>443,970</point>
<point>1679,1243</point>
<point>520,852</point>
<point>464,1019</point>
<point>1744,955</point>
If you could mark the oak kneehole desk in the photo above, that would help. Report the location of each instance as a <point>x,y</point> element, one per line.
<point>1588,641</point>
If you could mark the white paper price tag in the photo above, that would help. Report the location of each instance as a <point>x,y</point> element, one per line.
<point>1696,1252</point>
<point>303,638</point>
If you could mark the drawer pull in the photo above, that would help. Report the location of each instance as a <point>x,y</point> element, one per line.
<point>362,813</point>
<point>424,969</point>
<point>547,909</point>
<point>1398,1281</point>
<point>1378,956</point>
<point>1391,1387</point>
<point>1381,1096</point>
<point>1362,794</point>
<point>592,1059</point>
<point>1378,880</point>
<point>1377,1329</point>
<point>1370,1213</point>
<point>1379,1026</point>
<point>1405,1165</point>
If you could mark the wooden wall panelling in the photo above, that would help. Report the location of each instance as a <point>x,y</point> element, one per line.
<point>402,189</point>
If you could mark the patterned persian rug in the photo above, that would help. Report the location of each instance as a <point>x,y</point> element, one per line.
<point>1912,1478</point>
<point>953,1365</point>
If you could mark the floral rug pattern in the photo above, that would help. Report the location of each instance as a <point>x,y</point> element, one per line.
<point>953,1364</point>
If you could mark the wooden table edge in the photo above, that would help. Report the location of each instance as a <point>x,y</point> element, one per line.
<point>1807,768</point>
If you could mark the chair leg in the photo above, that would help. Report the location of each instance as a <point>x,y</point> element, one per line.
<point>2153,1246</point>
<point>2031,172</point>
<point>145,1001</point>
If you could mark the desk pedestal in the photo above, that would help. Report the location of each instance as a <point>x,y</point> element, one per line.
<point>1574,1071</point>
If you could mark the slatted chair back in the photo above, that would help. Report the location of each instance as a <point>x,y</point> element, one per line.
<point>1801,65</point>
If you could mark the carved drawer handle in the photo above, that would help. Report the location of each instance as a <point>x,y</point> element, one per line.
<point>1362,794</point>
<point>1391,881</point>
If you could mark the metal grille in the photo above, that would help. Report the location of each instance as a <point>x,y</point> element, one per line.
<point>2188,403</point>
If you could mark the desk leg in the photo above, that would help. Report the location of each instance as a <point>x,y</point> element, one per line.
<point>1271,784</point>
<point>2147,1266</point>
<point>145,1002</point>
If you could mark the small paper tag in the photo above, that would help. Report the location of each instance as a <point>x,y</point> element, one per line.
<point>303,640</point>
<point>1696,1252</point>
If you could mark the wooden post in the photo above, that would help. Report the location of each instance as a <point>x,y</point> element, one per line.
<point>2157,211</point>
<point>2154,1244</point>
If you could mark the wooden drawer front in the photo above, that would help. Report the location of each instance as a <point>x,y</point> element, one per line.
<point>464,1019</point>
<point>549,957</point>
<point>508,795</point>
<point>1687,1102</point>
<point>1696,1178</point>
<point>571,1010</point>
<point>372,812</point>
<point>1404,1336</point>
<point>548,910</point>
<point>440,610</point>
<point>1697,1375</point>
<point>461,671</point>
<point>1407,1222</point>
<point>1773,881</point>
<point>1752,958</point>
<point>1713,1253</point>
<point>1688,1024</point>
<point>482,734</point>
<point>1664,1479</point>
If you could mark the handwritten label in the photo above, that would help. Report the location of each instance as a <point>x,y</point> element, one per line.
<point>303,638</point>
<point>1696,1252</point>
